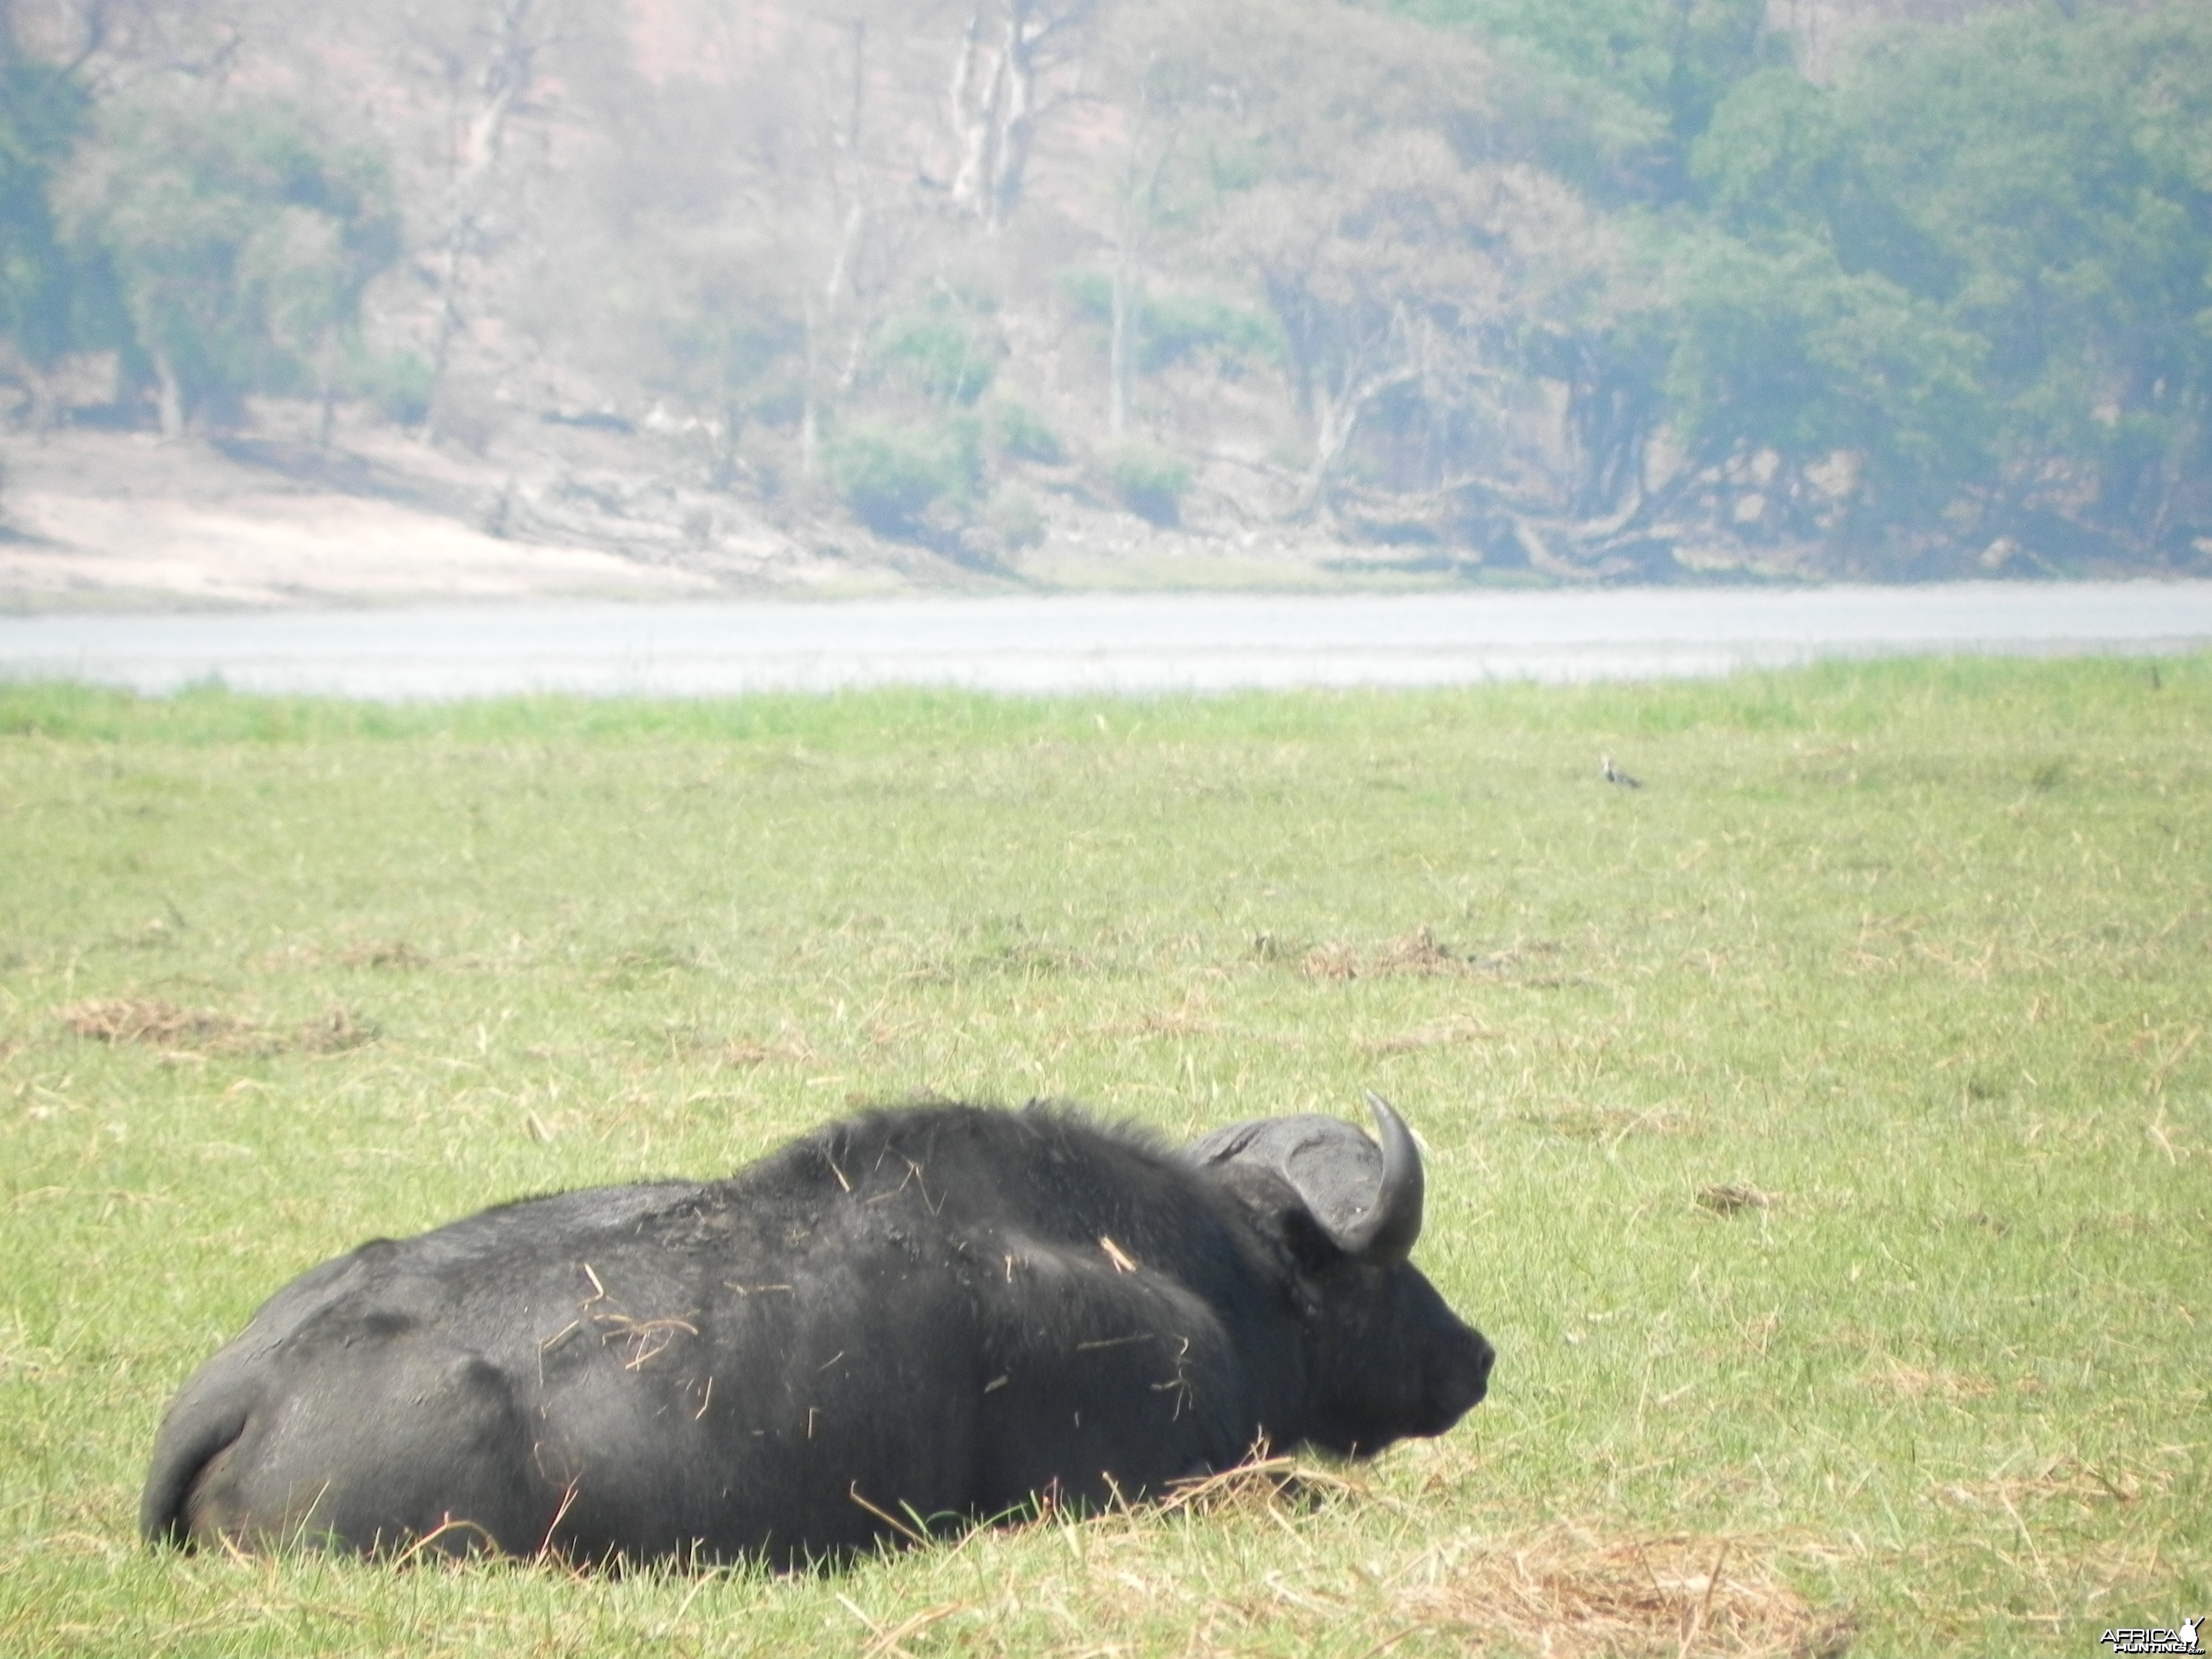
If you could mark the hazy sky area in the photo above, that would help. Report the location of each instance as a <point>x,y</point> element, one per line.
<point>777,297</point>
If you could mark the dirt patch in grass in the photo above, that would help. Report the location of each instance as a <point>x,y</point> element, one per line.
<point>330,1032</point>
<point>1907,1382</point>
<point>203,1032</point>
<point>1419,954</point>
<point>1735,1197</point>
<point>1191,1018</point>
<point>397,954</point>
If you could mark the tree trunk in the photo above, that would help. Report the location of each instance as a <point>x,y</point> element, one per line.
<point>170,395</point>
<point>505,76</point>
<point>40,385</point>
<point>1610,415</point>
<point>1017,116</point>
<point>1119,350</point>
<point>818,315</point>
<point>1338,418</point>
<point>810,425</point>
<point>993,104</point>
<point>1333,426</point>
<point>972,116</point>
<point>723,445</point>
<point>326,392</point>
<point>1140,183</point>
<point>37,385</point>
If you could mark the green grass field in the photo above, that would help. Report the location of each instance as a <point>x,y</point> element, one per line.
<point>1821,1132</point>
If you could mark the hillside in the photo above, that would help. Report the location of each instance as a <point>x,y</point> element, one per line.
<point>812,297</point>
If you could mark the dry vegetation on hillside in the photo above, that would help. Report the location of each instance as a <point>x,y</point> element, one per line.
<point>1612,289</point>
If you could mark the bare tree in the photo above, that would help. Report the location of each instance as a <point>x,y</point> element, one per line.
<point>1008,49</point>
<point>1410,276</point>
<point>510,36</point>
<point>1153,130</point>
<point>841,102</point>
<point>94,37</point>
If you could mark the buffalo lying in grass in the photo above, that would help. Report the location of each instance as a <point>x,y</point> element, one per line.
<point>920,1317</point>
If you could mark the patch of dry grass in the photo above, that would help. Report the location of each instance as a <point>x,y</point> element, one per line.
<point>182,1033</point>
<point>1894,1377</point>
<point>1575,1589</point>
<point>1565,1588</point>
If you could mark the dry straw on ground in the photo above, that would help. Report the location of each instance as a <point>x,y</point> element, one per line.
<point>1566,1590</point>
<point>202,1031</point>
<point>1561,1589</point>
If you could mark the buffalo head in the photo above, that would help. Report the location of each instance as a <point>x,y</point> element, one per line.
<point>1387,1358</point>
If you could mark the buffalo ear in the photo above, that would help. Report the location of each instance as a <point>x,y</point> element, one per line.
<point>1366,1199</point>
<point>1306,1241</point>
<point>1279,1210</point>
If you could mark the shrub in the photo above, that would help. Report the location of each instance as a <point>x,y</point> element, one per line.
<point>890,476</point>
<point>1024,435</point>
<point>1182,328</point>
<point>1150,480</point>
<point>399,384</point>
<point>1201,328</point>
<point>1014,519</point>
<point>939,355</point>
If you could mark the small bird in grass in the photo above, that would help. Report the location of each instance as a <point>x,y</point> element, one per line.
<point>1613,774</point>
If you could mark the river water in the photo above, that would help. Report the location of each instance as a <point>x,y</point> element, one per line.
<point>1094,642</point>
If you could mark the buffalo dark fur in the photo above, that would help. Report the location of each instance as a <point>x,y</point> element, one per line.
<point>914,1320</point>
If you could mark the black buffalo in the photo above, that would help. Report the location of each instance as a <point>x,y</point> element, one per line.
<point>918,1317</point>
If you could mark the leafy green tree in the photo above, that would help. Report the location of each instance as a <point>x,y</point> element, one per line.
<point>2001,236</point>
<point>936,354</point>
<point>1613,93</point>
<point>42,110</point>
<point>1780,349</point>
<point>891,475</point>
<point>2030,173</point>
<point>241,237</point>
<point>731,347</point>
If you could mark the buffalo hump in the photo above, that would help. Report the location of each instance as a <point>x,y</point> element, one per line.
<point>913,1320</point>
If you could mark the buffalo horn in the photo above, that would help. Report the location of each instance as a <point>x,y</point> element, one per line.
<point>1386,1232</point>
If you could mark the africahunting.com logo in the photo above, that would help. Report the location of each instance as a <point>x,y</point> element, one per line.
<point>2182,1640</point>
